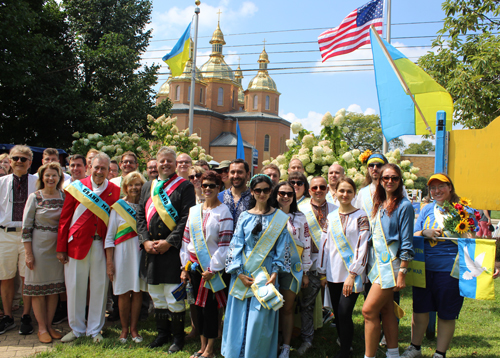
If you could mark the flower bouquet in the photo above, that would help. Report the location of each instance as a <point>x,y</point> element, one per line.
<point>459,220</point>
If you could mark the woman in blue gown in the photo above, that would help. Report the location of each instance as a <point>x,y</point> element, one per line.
<point>260,244</point>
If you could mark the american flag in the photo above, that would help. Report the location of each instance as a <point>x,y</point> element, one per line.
<point>353,32</point>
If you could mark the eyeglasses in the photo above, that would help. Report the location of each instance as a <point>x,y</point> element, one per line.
<point>378,165</point>
<point>184,162</point>
<point>297,182</point>
<point>439,187</point>
<point>211,186</point>
<point>259,191</point>
<point>22,159</point>
<point>388,179</point>
<point>319,187</point>
<point>288,194</point>
<point>197,176</point>
<point>152,167</point>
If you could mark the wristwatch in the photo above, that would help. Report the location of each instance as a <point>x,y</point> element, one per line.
<point>404,270</point>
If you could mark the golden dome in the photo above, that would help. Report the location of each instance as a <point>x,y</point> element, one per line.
<point>216,67</point>
<point>238,74</point>
<point>217,37</point>
<point>186,75</point>
<point>263,81</point>
<point>164,89</point>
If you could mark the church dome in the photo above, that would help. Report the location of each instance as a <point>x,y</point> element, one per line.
<point>216,67</point>
<point>186,75</point>
<point>262,81</point>
<point>164,89</point>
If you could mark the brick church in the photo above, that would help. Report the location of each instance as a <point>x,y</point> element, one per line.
<point>220,101</point>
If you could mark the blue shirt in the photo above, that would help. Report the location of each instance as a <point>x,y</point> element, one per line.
<point>399,227</point>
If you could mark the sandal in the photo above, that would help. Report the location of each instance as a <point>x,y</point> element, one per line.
<point>196,355</point>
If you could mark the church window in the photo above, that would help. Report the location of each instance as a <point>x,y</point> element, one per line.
<point>201,95</point>
<point>220,98</point>
<point>177,92</point>
<point>267,102</point>
<point>266,143</point>
<point>255,101</point>
<point>276,105</point>
<point>234,96</point>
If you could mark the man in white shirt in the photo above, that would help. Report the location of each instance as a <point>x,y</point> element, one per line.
<point>77,168</point>
<point>128,164</point>
<point>51,155</point>
<point>14,191</point>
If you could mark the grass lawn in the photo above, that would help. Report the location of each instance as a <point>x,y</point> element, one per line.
<point>476,335</point>
<point>495,214</point>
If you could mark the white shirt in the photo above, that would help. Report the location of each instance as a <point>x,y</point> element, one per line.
<point>7,199</point>
<point>331,261</point>
<point>299,229</point>
<point>218,231</point>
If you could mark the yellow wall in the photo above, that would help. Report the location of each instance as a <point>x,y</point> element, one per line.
<point>474,165</point>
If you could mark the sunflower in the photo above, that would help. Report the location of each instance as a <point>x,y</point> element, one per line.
<point>462,227</point>
<point>465,202</point>
<point>365,155</point>
<point>463,214</point>
<point>188,266</point>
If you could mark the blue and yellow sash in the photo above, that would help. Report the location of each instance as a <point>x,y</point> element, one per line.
<point>367,201</point>
<point>314,227</point>
<point>296,261</point>
<point>329,197</point>
<point>381,261</point>
<point>127,230</point>
<point>200,245</point>
<point>90,200</point>
<point>163,205</point>
<point>343,246</point>
<point>259,253</point>
<point>303,202</point>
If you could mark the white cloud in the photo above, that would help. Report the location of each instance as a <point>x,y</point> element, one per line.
<point>356,108</point>
<point>312,122</point>
<point>369,111</point>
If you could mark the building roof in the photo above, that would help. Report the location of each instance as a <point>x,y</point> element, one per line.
<point>228,139</point>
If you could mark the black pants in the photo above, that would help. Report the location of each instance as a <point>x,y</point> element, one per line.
<point>208,316</point>
<point>343,307</point>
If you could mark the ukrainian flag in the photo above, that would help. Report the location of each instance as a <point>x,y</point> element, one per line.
<point>477,264</point>
<point>395,80</point>
<point>179,55</point>
<point>416,270</point>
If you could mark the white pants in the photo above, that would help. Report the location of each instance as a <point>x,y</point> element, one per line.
<point>77,274</point>
<point>163,298</point>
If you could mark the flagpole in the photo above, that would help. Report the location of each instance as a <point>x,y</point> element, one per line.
<point>400,77</point>
<point>193,67</point>
<point>385,144</point>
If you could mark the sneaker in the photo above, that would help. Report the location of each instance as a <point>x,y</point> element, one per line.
<point>6,323</point>
<point>26,327</point>
<point>383,341</point>
<point>70,337</point>
<point>61,314</point>
<point>412,352</point>
<point>437,355</point>
<point>338,342</point>
<point>327,316</point>
<point>285,351</point>
<point>303,348</point>
<point>98,338</point>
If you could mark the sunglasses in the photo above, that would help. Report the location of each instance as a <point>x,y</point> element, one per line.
<point>373,165</point>
<point>388,179</point>
<point>22,159</point>
<point>259,191</point>
<point>222,171</point>
<point>197,176</point>
<point>288,194</point>
<point>296,182</point>
<point>211,186</point>
<point>319,187</point>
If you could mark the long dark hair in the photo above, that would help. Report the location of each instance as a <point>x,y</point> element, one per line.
<point>293,206</point>
<point>380,195</point>
<point>260,178</point>
<point>300,176</point>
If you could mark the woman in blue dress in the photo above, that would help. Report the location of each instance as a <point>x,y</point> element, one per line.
<point>390,253</point>
<point>258,251</point>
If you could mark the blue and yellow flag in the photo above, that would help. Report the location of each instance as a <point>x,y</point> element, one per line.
<point>179,55</point>
<point>416,270</point>
<point>397,79</point>
<point>477,264</point>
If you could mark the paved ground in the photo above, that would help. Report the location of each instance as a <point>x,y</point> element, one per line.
<point>12,344</point>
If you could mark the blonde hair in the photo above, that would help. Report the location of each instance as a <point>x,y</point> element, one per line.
<point>197,169</point>
<point>2,157</point>
<point>130,177</point>
<point>41,171</point>
<point>24,149</point>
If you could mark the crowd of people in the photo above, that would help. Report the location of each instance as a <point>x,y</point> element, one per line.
<point>244,251</point>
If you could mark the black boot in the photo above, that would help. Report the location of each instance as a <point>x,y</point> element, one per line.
<point>177,331</point>
<point>163,327</point>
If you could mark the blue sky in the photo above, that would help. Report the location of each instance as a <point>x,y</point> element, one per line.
<point>304,96</point>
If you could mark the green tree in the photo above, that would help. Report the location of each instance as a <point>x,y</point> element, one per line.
<point>115,88</point>
<point>365,133</point>
<point>468,68</point>
<point>420,148</point>
<point>38,96</point>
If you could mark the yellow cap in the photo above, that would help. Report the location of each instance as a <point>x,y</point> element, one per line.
<point>439,177</point>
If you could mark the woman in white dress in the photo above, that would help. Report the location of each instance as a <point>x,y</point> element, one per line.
<point>45,275</point>
<point>122,256</point>
<point>345,270</point>
<point>207,235</point>
<point>291,282</point>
